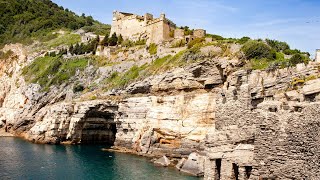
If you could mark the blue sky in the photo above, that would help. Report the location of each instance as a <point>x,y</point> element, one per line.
<point>294,21</point>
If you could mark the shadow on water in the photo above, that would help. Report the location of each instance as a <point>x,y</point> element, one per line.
<point>23,160</point>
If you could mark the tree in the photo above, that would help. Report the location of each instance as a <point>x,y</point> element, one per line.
<point>77,49</point>
<point>105,41</point>
<point>258,50</point>
<point>113,40</point>
<point>120,39</point>
<point>277,45</point>
<point>71,49</point>
<point>297,59</point>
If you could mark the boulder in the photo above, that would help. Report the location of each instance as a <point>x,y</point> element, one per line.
<point>293,95</point>
<point>194,165</point>
<point>163,161</point>
<point>311,87</point>
<point>180,163</point>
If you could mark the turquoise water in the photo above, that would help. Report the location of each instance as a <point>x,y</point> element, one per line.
<point>23,160</point>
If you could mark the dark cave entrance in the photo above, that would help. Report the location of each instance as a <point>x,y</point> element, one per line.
<point>99,128</point>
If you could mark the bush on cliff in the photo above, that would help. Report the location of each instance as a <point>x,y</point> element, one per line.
<point>153,49</point>
<point>258,50</point>
<point>297,59</point>
<point>278,45</point>
<point>48,71</point>
<point>26,20</point>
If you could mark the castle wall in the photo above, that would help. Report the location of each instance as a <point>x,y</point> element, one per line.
<point>134,27</point>
<point>155,32</point>
<point>179,34</point>
<point>199,33</point>
<point>318,55</point>
<point>130,27</point>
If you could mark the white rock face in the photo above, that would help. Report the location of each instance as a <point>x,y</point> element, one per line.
<point>194,165</point>
<point>170,121</point>
<point>163,161</point>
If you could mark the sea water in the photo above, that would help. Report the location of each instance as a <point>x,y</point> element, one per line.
<point>20,159</point>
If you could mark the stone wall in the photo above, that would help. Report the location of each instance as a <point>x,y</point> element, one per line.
<point>199,33</point>
<point>317,55</point>
<point>179,34</point>
<point>135,27</point>
<point>128,25</point>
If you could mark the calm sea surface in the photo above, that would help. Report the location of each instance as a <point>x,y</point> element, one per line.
<point>23,160</point>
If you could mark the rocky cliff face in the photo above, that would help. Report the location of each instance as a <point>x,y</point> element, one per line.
<point>235,123</point>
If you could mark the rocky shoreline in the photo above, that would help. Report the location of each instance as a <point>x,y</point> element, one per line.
<point>5,134</point>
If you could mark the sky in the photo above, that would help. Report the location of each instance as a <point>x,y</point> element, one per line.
<point>295,21</point>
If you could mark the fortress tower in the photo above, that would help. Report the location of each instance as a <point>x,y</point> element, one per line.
<point>135,27</point>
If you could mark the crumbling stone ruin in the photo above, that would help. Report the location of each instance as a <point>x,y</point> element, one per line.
<point>155,30</point>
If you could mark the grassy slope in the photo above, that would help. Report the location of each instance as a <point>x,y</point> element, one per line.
<point>27,20</point>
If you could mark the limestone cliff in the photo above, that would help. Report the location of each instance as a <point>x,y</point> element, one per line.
<point>242,124</point>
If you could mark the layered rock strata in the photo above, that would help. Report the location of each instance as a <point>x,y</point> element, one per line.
<point>227,122</point>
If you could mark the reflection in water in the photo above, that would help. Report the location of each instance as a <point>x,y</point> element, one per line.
<point>22,160</point>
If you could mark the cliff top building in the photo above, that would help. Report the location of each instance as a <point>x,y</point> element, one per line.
<point>153,30</point>
<point>135,27</point>
<point>317,55</point>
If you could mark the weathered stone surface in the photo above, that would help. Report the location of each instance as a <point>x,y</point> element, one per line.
<point>250,124</point>
<point>163,161</point>
<point>194,165</point>
<point>311,87</point>
<point>180,163</point>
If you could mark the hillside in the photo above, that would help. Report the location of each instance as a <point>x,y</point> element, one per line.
<point>26,20</point>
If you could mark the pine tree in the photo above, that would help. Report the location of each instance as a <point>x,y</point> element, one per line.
<point>120,39</point>
<point>113,40</point>
<point>77,49</point>
<point>105,41</point>
<point>71,49</point>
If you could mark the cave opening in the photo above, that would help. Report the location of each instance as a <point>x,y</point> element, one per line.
<point>218,169</point>
<point>99,128</point>
<point>235,168</point>
<point>248,170</point>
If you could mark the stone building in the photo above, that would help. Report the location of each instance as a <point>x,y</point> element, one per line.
<point>317,55</point>
<point>199,33</point>
<point>135,27</point>
<point>178,34</point>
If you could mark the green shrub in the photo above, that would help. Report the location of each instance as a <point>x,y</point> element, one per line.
<point>258,50</point>
<point>291,51</point>
<point>277,45</point>
<point>140,42</point>
<point>243,40</point>
<point>5,55</point>
<point>78,88</point>
<point>194,42</point>
<point>113,40</point>
<point>47,71</point>
<point>215,37</point>
<point>153,49</point>
<point>279,56</point>
<point>297,59</point>
<point>179,43</point>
